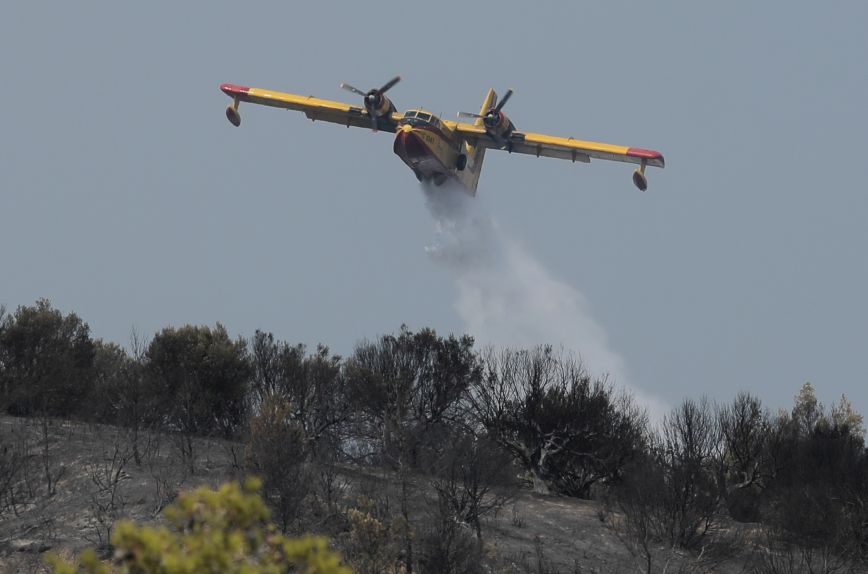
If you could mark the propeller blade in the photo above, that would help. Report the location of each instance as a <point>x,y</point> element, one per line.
<point>350,88</point>
<point>373,122</point>
<point>506,97</point>
<point>469,115</point>
<point>389,84</point>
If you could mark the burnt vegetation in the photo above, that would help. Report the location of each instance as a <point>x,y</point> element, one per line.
<point>406,451</point>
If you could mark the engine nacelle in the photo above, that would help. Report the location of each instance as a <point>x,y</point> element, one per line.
<point>376,103</point>
<point>498,125</point>
<point>379,105</point>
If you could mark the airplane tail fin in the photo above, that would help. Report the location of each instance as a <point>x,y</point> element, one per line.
<point>469,176</point>
<point>489,102</point>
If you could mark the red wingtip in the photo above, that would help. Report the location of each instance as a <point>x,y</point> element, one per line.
<point>233,89</point>
<point>644,153</point>
<point>648,154</point>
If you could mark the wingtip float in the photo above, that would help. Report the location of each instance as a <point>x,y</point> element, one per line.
<point>438,150</point>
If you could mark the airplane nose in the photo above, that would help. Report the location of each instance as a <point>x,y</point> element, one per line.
<point>408,145</point>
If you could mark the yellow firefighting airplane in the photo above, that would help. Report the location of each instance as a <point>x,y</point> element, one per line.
<point>438,150</point>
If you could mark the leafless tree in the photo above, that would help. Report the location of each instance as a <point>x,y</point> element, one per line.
<point>779,553</point>
<point>746,431</point>
<point>14,461</point>
<point>744,426</point>
<point>446,545</point>
<point>313,384</point>
<point>106,473</point>
<point>667,510</point>
<point>689,451</point>
<point>52,472</point>
<point>473,478</point>
<point>566,429</point>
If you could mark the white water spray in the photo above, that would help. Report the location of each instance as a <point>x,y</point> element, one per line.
<point>506,298</point>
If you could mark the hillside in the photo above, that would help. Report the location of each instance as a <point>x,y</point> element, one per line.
<point>87,463</point>
<point>418,453</point>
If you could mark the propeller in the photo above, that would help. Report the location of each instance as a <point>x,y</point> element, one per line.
<point>373,98</point>
<point>505,99</point>
<point>492,116</point>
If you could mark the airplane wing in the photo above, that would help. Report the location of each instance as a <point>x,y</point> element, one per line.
<point>313,108</point>
<point>561,148</point>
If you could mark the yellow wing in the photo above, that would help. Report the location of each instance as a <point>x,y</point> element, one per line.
<point>313,108</point>
<point>560,148</point>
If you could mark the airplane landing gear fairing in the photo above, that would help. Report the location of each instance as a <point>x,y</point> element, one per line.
<point>461,162</point>
<point>639,179</point>
<point>232,114</point>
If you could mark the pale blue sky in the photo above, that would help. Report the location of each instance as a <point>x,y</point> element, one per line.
<point>127,197</point>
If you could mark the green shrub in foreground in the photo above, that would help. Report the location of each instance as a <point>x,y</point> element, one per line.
<point>224,530</point>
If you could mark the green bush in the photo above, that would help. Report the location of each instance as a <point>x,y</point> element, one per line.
<point>220,531</point>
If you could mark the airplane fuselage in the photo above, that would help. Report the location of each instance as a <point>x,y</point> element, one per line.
<point>428,147</point>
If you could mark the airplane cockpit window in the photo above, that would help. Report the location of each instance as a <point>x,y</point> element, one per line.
<point>416,117</point>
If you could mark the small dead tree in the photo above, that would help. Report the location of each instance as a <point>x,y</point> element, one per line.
<point>667,509</point>
<point>12,461</point>
<point>30,463</point>
<point>779,553</point>
<point>106,501</point>
<point>330,487</point>
<point>52,472</point>
<point>166,477</point>
<point>446,545</point>
<point>744,426</point>
<point>473,479</point>
<point>689,453</point>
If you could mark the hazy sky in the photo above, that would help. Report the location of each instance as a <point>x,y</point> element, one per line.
<point>127,197</point>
